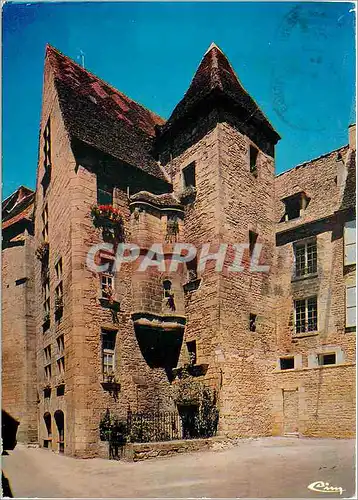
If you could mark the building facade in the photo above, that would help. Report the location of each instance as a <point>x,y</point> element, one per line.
<point>275,349</point>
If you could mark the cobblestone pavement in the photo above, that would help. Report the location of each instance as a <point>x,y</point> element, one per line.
<point>264,467</point>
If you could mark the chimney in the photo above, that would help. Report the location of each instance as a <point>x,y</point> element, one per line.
<point>352,136</point>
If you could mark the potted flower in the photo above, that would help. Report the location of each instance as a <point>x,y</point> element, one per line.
<point>106,216</point>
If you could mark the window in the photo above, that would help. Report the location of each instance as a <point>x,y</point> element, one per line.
<point>191,346</point>
<point>107,285</point>
<point>61,365</point>
<point>253,160</point>
<point>58,269</point>
<point>287,363</point>
<point>104,191</point>
<point>47,355</point>
<point>306,315</point>
<point>46,302</point>
<point>167,288</point>
<point>47,156</point>
<point>252,322</point>
<point>252,241</point>
<point>295,205</point>
<point>305,258</point>
<point>45,223</point>
<point>350,243</point>
<point>191,267</point>
<point>60,344</point>
<point>108,348</point>
<point>350,306</point>
<point>327,359</point>
<point>189,175</point>
<point>48,372</point>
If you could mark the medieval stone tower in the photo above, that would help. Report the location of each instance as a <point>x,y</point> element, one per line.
<point>267,342</point>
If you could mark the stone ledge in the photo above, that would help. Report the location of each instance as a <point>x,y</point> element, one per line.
<point>135,452</point>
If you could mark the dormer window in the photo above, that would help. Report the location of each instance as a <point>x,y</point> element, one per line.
<point>295,206</point>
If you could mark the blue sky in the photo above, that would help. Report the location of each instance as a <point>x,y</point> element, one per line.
<point>296,60</point>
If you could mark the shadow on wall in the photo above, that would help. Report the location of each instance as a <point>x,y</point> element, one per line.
<point>159,348</point>
<point>8,433</point>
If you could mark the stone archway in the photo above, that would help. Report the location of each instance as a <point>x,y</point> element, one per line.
<point>48,424</point>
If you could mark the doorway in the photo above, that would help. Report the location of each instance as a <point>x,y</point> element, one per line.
<point>60,422</point>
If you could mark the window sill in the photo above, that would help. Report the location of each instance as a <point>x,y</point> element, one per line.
<point>304,334</point>
<point>191,286</point>
<point>304,277</point>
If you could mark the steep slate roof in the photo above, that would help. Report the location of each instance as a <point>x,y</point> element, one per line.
<point>101,116</point>
<point>215,75</point>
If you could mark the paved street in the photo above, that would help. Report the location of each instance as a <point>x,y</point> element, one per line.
<point>265,467</point>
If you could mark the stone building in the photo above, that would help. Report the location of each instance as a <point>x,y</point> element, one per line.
<point>276,348</point>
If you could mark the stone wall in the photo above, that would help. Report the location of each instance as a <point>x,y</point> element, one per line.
<point>18,335</point>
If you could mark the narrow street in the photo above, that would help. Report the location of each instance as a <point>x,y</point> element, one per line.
<point>264,467</point>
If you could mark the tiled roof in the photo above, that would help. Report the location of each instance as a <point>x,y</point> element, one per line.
<point>18,206</point>
<point>101,116</point>
<point>216,77</point>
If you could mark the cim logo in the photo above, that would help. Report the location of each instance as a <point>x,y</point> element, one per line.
<point>323,487</point>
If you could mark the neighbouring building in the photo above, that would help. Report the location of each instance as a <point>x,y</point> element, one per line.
<point>272,352</point>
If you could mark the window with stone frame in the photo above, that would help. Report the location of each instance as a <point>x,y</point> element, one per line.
<point>189,179</point>
<point>327,358</point>
<point>60,365</point>
<point>107,285</point>
<point>192,269</point>
<point>47,355</point>
<point>46,300</point>
<point>48,372</point>
<point>252,241</point>
<point>306,315</point>
<point>254,152</point>
<point>252,322</point>
<point>351,307</point>
<point>60,344</point>
<point>58,269</point>
<point>47,157</point>
<point>350,243</point>
<point>287,363</point>
<point>104,191</point>
<point>295,205</point>
<point>108,351</point>
<point>305,258</point>
<point>191,347</point>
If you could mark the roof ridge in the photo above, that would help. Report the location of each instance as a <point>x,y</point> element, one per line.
<point>307,162</point>
<point>90,73</point>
